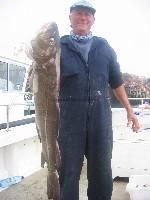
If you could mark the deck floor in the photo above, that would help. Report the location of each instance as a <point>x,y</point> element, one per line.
<point>34,188</point>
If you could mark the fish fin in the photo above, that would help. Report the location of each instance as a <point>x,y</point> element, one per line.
<point>38,132</point>
<point>35,83</point>
<point>43,161</point>
<point>28,87</point>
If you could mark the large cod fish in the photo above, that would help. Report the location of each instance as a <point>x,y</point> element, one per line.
<point>43,78</point>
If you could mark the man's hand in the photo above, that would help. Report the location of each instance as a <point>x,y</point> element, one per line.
<point>133,121</point>
<point>121,95</point>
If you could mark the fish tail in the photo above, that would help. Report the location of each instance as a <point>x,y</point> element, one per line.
<point>53,188</point>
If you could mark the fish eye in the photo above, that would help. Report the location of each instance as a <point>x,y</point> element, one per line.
<point>52,41</point>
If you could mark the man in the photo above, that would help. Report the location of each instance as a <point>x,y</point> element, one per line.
<point>88,67</point>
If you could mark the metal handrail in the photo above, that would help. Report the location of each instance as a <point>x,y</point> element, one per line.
<point>142,99</point>
<point>31,104</point>
<point>8,111</point>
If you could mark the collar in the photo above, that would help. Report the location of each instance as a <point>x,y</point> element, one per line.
<point>65,40</point>
<point>80,38</point>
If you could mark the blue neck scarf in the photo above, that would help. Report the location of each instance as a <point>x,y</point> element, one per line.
<point>80,38</point>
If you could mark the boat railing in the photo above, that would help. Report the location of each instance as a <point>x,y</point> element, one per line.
<point>142,100</point>
<point>26,102</point>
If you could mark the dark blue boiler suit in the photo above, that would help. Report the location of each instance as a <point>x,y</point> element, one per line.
<point>86,118</point>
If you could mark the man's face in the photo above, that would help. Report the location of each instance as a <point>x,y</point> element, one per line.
<point>81,21</point>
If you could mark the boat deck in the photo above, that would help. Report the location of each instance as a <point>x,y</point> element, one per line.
<point>34,188</point>
<point>128,151</point>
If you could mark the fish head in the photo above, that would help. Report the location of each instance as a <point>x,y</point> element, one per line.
<point>46,43</point>
<point>54,37</point>
<point>49,35</point>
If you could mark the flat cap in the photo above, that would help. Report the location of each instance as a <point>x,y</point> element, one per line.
<point>83,4</point>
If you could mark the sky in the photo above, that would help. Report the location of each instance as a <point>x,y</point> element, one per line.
<point>124,23</point>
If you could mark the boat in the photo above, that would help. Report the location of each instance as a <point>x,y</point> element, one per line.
<point>20,148</point>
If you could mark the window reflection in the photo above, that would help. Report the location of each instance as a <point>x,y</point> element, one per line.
<point>3,76</point>
<point>16,76</point>
<point>11,77</point>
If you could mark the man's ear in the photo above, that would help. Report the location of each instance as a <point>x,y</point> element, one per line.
<point>70,20</point>
<point>69,17</point>
<point>93,20</point>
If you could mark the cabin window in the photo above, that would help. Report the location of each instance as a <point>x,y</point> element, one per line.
<point>3,76</point>
<point>11,77</point>
<point>16,76</point>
